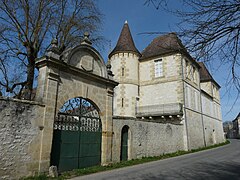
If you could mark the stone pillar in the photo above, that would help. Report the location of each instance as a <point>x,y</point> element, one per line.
<point>49,99</point>
<point>47,93</point>
<point>107,134</point>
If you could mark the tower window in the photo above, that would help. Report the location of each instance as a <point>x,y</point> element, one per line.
<point>158,68</point>
<point>122,71</point>
<point>122,102</point>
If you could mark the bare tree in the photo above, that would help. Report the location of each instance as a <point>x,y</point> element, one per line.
<point>210,29</point>
<point>26,29</point>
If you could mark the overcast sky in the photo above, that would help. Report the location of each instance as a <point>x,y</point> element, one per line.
<point>147,19</point>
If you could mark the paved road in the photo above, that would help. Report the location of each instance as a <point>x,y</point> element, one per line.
<point>221,163</point>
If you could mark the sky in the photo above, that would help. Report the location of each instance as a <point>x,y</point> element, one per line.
<point>142,18</point>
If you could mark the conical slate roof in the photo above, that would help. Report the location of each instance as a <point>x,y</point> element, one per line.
<point>125,42</point>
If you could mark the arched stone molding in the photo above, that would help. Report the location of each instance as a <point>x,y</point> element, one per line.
<point>87,58</point>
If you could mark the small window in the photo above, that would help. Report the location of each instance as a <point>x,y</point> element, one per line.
<point>122,102</point>
<point>187,69</point>
<point>158,68</point>
<point>187,65</point>
<point>122,71</point>
<point>194,74</point>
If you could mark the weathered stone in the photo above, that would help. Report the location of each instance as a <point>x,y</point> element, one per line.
<point>17,134</point>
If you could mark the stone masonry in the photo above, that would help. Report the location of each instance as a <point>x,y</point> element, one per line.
<point>20,129</point>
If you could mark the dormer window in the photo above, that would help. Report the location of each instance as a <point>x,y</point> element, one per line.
<point>158,68</point>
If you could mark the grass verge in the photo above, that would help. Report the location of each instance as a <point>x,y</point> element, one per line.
<point>94,169</point>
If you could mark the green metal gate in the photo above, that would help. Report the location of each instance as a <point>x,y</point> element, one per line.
<point>77,136</point>
<point>124,144</point>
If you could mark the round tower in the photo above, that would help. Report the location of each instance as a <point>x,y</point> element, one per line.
<point>124,60</point>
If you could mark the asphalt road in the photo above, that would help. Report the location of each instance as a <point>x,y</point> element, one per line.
<point>220,163</point>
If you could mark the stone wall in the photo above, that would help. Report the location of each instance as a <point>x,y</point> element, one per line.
<point>147,138</point>
<point>194,129</point>
<point>20,128</point>
<point>213,129</point>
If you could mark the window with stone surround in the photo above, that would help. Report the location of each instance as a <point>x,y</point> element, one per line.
<point>158,68</point>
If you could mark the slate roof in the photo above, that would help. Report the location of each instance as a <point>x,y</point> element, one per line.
<point>164,44</point>
<point>205,75</point>
<point>236,119</point>
<point>125,42</point>
<point>238,116</point>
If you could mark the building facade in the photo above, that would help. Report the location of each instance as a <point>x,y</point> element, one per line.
<point>165,99</point>
<point>236,127</point>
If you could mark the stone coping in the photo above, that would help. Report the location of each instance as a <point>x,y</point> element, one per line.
<point>21,101</point>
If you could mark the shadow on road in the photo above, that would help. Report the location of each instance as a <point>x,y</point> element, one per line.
<point>204,171</point>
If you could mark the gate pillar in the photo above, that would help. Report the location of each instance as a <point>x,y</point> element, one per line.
<point>48,81</point>
<point>107,134</point>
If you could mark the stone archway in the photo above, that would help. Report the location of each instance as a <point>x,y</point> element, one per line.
<point>77,72</point>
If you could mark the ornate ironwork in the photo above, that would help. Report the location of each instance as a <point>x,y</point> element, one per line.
<point>78,114</point>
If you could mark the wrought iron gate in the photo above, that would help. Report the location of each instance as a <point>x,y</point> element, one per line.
<point>77,136</point>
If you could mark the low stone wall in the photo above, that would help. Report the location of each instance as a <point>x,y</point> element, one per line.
<point>19,132</point>
<point>147,138</point>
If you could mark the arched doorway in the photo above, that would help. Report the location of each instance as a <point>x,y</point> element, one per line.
<point>77,135</point>
<point>124,143</point>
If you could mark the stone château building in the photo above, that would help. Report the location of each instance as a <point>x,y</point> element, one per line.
<point>87,113</point>
<point>165,101</point>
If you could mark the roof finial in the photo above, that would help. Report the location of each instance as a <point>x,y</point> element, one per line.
<point>126,22</point>
<point>54,47</point>
<point>54,42</point>
<point>86,39</point>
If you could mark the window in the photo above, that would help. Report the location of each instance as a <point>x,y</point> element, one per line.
<point>122,102</point>
<point>194,73</point>
<point>196,100</point>
<point>187,69</point>
<point>158,68</point>
<point>122,71</point>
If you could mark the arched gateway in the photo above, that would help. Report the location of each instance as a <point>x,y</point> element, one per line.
<point>77,135</point>
<point>77,90</point>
